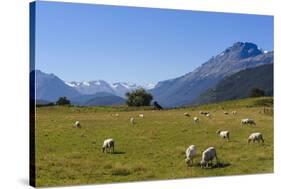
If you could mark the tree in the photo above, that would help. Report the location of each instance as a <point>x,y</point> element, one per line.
<point>63,101</point>
<point>139,97</point>
<point>256,92</point>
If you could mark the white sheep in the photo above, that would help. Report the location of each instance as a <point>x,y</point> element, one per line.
<point>108,146</point>
<point>208,115</point>
<point>223,134</point>
<point>141,115</point>
<point>196,120</point>
<point>190,153</point>
<point>116,115</point>
<point>248,121</point>
<point>255,137</point>
<point>186,114</point>
<point>132,120</point>
<point>77,124</point>
<point>207,156</point>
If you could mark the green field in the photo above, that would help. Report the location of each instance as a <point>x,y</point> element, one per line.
<point>152,149</point>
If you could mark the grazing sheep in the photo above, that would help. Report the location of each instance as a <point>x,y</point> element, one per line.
<point>196,120</point>
<point>108,146</point>
<point>234,112</point>
<point>186,114</point>
<point>255,137</point>
<point>190,154</point>
<point>207,156</point>
<point>248,121</point>
<point>208,115</point>
<point>223,134</point>
<point>141,115</point>
<point>77,124</point>
<point>132,120</point>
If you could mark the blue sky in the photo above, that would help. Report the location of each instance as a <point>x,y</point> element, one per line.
<point>142,45</point>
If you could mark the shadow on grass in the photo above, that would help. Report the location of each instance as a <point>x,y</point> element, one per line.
<point>119,152</point>
<point>215,166</point>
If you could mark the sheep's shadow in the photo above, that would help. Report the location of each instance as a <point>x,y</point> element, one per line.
<point>215,166</point>
<point>119,152</point>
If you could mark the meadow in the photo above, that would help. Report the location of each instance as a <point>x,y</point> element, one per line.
<point>152,149</point>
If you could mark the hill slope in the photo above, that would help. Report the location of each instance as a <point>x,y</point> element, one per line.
<point>49,87</point>
<point>185,89</point>
<point>239,85</point>
<point>97,99</point>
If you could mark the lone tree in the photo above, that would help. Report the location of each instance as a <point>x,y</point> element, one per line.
<point>139,97</point>
<point>63,101</point>
<point>256,92</point>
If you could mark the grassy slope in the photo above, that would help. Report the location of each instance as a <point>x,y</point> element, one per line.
<point>153,149</point>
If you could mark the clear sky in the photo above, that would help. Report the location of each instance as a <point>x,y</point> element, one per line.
<point>142,45</point>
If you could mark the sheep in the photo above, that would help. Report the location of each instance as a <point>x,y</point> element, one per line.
<point>234,112</point>
<point>190,154</point>
<point>141,115</point>
<point>248,121</point>
<point>77,124</point>
<point>207,156</point>
<point>223,134</point>
<point>116,115</point>
<point>208,115</point>
<point>132,120</point>
<point>108,145</point>
<point>186,114</point>
<point>255,137</point>
<point>196,120</point>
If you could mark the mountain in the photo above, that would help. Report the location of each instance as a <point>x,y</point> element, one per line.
<point>239,85</point>
<point>49,87</point>
<point>185,89</point>
<point>118,88</point>
<point>105,101</point>
<point>91,87</point>
<point>100,98</point>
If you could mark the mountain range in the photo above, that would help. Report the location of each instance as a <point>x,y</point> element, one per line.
<point>183,90</point>
<point>117,88</point>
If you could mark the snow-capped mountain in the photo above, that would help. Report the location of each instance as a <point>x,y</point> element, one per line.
<point>185,89</point>
<point>91,87</point>
<point>118,88</point>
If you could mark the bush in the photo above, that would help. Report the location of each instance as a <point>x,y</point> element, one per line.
<point>139,97</point>
<point>63,101</point>
<point>256,92</point>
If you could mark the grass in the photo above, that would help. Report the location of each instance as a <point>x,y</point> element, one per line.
<point>153,149</point>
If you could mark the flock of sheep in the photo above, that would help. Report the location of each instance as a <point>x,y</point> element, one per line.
<point>208,155</point>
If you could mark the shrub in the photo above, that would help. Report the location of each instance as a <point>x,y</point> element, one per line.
<point>63,101</point>
<point>139,97</point>
<point>256,92</point>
